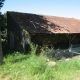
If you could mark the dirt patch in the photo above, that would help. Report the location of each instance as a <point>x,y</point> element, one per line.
<point>5,79</point>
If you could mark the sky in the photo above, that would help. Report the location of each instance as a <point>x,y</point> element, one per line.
<point>62,8</point>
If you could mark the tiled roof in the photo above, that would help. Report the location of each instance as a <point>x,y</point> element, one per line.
<point>46,24</point>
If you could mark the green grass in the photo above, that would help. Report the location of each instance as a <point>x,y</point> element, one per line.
<point>19,66</point>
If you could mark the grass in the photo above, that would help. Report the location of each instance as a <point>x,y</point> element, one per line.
<point>68,70</point>
<point>25,67</point>
<point>19,66</point>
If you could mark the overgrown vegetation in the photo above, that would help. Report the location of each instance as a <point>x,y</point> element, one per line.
<point>20,66</point>
<point>3,24</point>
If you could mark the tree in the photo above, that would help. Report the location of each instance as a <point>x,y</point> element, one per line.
<point>1,55</point>
<point>1,3</point>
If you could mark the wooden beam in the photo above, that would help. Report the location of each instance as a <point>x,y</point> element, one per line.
<point>69,37</point>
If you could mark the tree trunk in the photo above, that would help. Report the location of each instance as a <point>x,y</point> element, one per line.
<point>1,55</point>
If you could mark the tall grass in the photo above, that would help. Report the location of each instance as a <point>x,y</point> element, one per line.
<point>19,66</point>
<point>25,67</point>
<point>68,70</point>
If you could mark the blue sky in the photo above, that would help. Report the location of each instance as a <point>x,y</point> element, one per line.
<point>63,8</point>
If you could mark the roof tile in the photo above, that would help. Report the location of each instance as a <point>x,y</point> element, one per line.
<point>45,24</point>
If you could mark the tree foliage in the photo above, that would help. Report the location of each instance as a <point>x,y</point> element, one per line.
<point>3,21</point>
<point>1,3</point>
